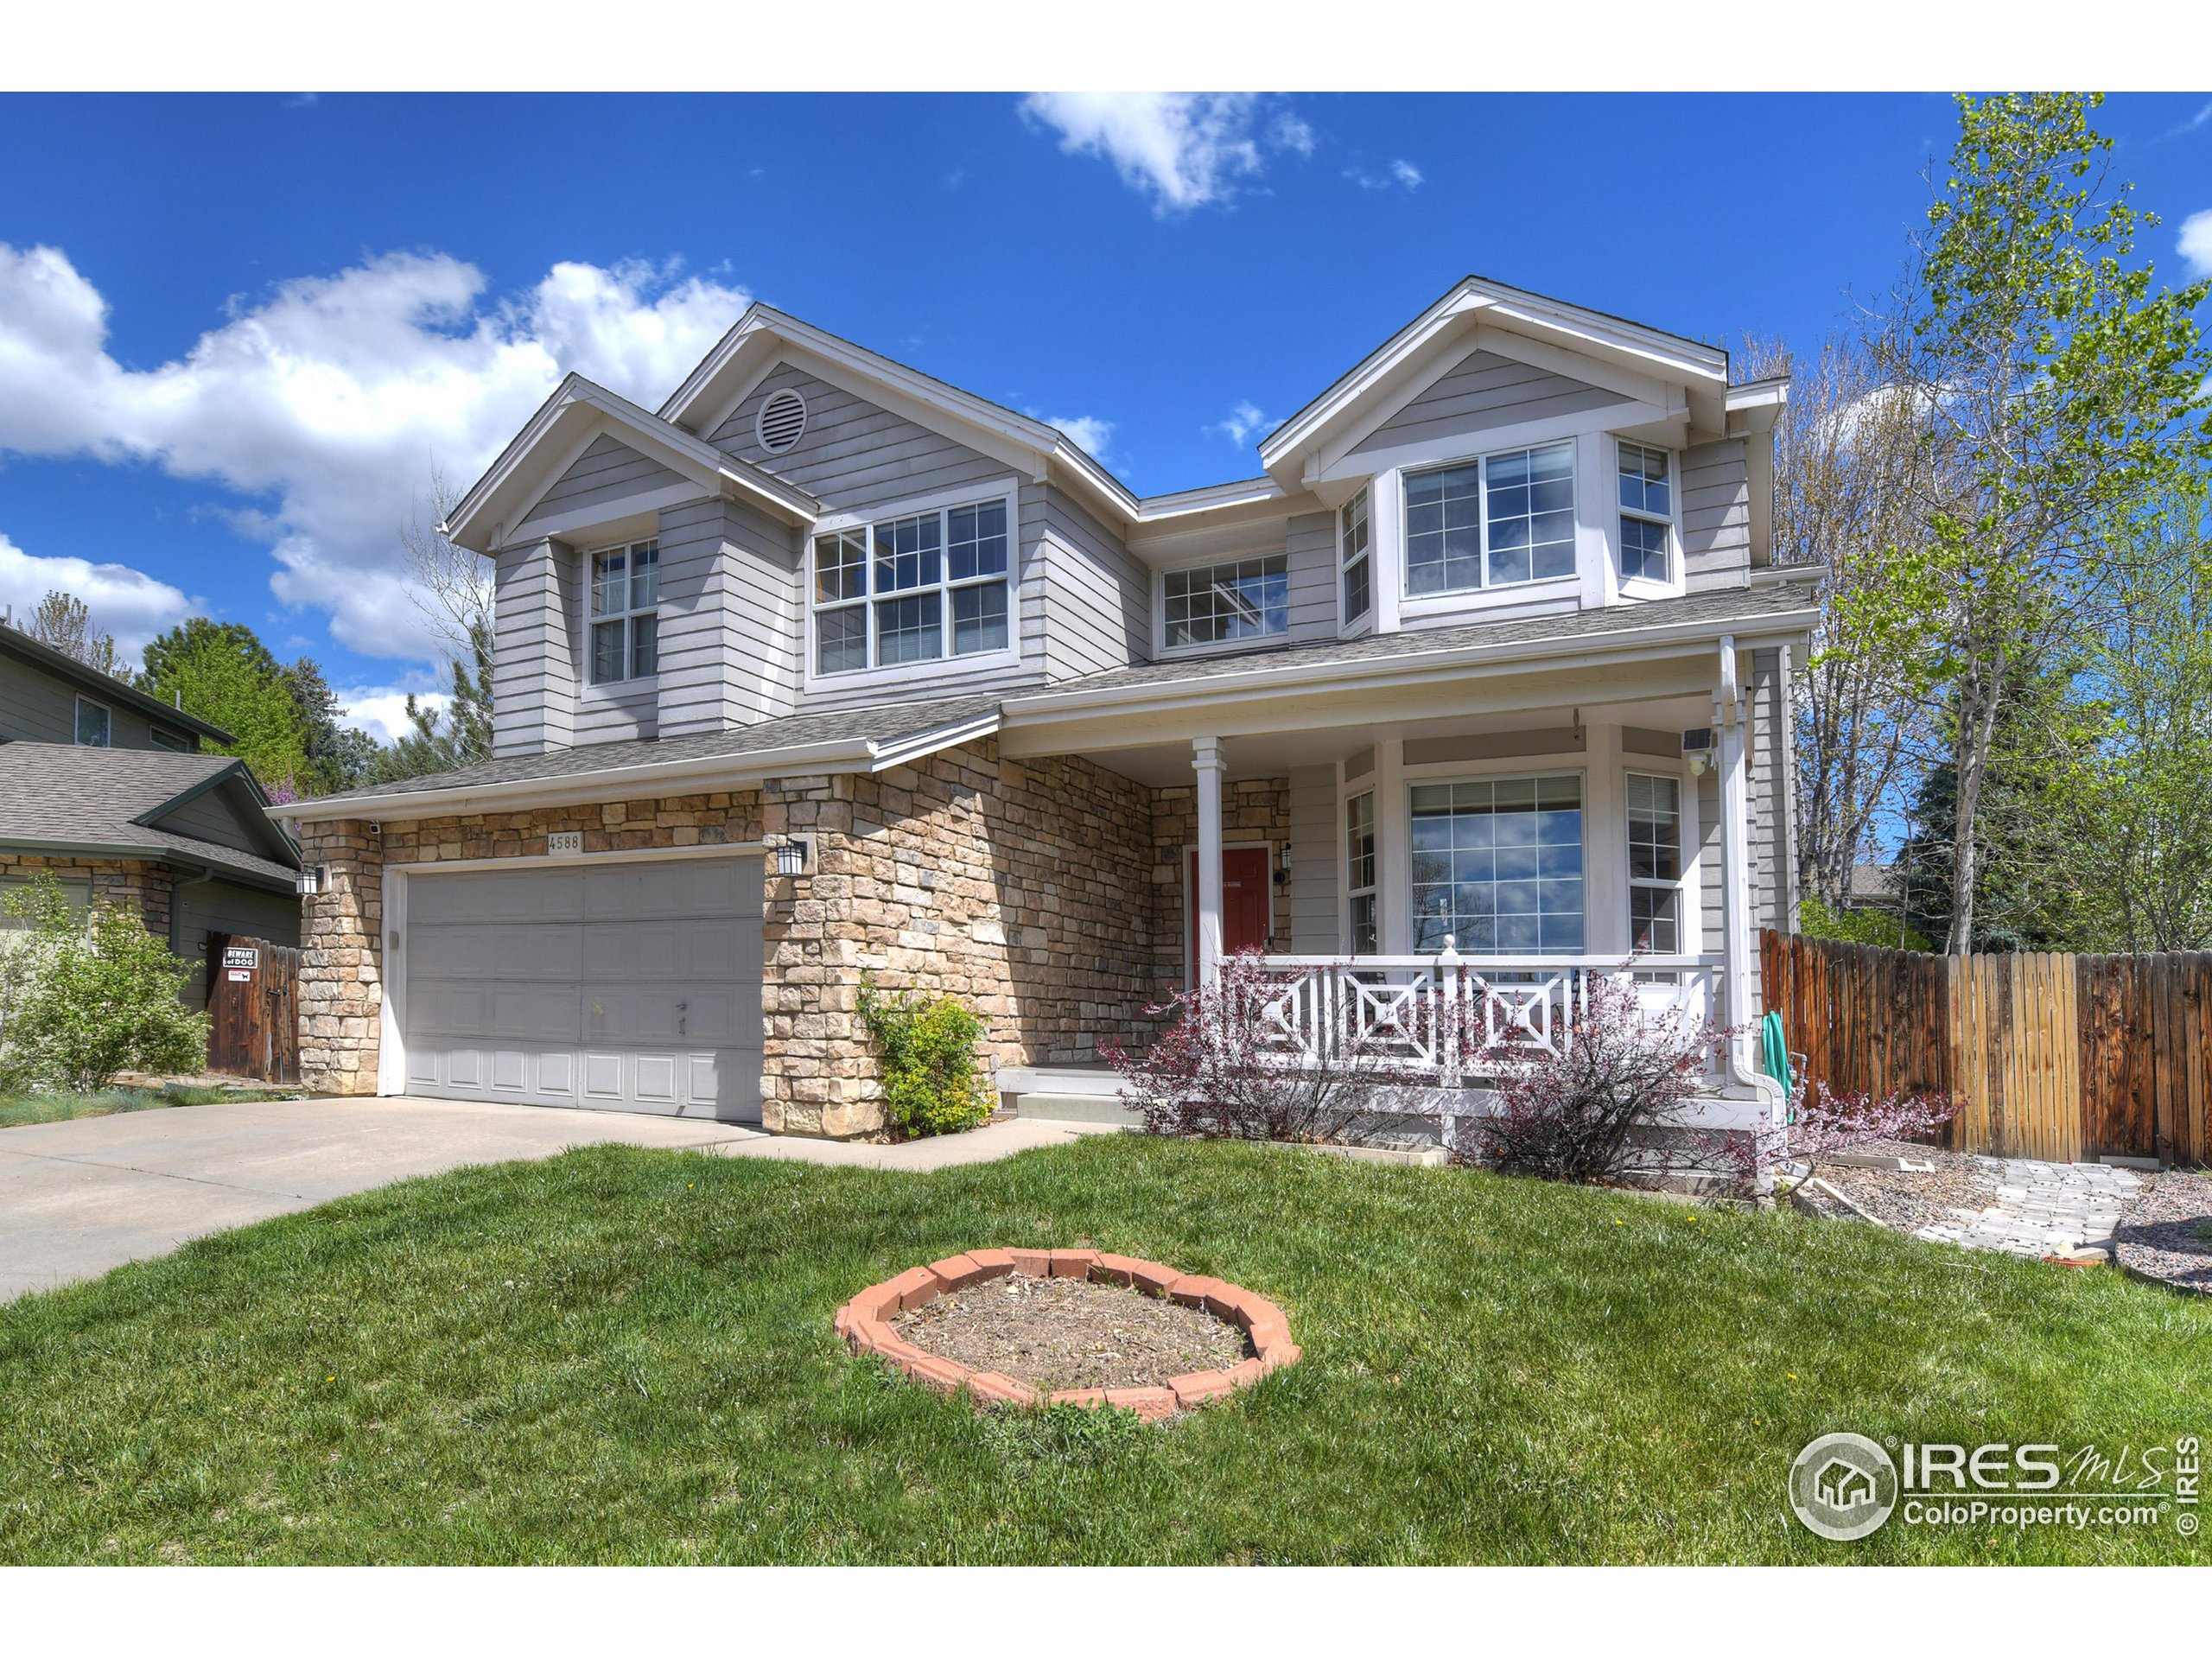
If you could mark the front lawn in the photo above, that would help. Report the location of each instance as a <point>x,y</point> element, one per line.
<point>623,1355</point>
<point>16,1110</point>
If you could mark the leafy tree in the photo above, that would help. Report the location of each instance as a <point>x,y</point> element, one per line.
<point>65,622</point>
<point>2059,396</point>
<point>94,995</point>
<point>220,672</point>
<point>459,734</point>
<point>335,756</point>
<point>1860,924</point>
<point>453,591</point>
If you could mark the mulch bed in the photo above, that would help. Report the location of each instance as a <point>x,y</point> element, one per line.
<point>2160,1229</point>
<point>1910,1200</point>
<point>1071,1333</point>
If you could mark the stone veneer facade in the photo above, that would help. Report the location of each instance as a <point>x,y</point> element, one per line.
<point>1032,890</point>
<point>131,881</point>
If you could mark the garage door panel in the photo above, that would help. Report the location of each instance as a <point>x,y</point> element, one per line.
<point>632,987</point>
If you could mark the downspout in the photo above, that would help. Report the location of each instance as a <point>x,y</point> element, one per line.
<point>176,918</point>
<point>1736,890</point>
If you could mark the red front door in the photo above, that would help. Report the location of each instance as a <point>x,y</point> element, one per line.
<point>1245,899</point>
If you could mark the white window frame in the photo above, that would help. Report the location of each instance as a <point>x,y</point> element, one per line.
<point>1205,647</point>
<point>1363,502</point>
<point>1447,598</point>
<point>107,727</point>
<point>1006,491</point>
<point>1680,885</point>
<point>1506,769</point>
<point>627,616</point>
<point>1353,891</point>
<point>1617,541</point>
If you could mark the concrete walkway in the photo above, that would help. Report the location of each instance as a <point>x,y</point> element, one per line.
<point>79,1198</point>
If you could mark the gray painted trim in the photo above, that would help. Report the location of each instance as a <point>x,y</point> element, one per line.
<point>1496,745</point>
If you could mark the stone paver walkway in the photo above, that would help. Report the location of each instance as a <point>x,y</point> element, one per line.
<point>2042,1209</point>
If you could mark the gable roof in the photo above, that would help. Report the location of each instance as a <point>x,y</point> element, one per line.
<point>61,798</point>
<point>762,335</point>
<point>62,666</point>
<point>1394,368</point>
<point>565,424</point>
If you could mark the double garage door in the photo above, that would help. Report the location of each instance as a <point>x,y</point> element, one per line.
<point>629,986</point>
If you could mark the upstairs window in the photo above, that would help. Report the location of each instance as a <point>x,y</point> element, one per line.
<point>1239,599</point>
<point>911,589</point>
<point>1506,518</point>
<point>1351,554</point>
<point>1646,513</point>
<point>166,738</point>
<point>625,622</point>
<point>1655,864</point>
<point>94,724</point>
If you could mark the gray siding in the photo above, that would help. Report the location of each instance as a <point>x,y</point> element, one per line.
<point>36,708</point>
<point>220,907</point>
<point>1716,515</point>
<point>533,661</point>
<point>853,455</point>
<point>1314,865</point>
<point>213,817</point>
<point>604,475</point>
<point>729,629</point>
<point>1483,390</point>
<point>1096,611</point>
<point>1773,831</point>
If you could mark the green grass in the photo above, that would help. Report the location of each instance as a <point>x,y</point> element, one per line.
<point>626,1356</point>
<point>17,1110</point>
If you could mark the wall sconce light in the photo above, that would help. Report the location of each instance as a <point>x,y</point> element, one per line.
<point>1697,749</point>
<point>791,856</point>
<point>314,879</point>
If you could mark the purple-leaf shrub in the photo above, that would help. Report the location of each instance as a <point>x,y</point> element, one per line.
<point>1223,1068</point>
<point>1822,1123</point>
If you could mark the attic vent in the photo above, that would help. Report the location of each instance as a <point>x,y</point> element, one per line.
<point>782,422</point>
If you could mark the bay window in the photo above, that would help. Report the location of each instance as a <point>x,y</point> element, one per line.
<point>626,623</point>
<point>1237,599</point>
<point>1655,864</point>
<point>1359,873</point>
<point>1498,866</point>
<point>1352,556</point>
<point>1647,511</point>
<point>1504,518</point>
<point>911,589</point>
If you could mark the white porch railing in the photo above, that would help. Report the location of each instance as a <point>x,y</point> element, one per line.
<point>1433,1015</point>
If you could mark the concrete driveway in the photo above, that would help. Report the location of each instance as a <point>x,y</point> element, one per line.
<point>79,1198</point>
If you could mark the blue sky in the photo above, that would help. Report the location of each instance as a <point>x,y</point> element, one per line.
<point>236,334</point>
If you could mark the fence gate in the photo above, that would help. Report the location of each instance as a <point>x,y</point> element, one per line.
<point>253,1007</point>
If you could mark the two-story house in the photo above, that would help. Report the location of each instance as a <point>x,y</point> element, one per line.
<point>107,790</point>
<point>826,667</point>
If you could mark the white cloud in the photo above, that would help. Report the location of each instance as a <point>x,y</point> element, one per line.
<point>2193,123</point>
<point>127,603</point>
<point>2195,243</point>
<point>1087,432</point>
<point>326,403</point>
<point>1244,420</point>
<point>1399,175</point>
<point>1184,149</point>
<point>382,712</point>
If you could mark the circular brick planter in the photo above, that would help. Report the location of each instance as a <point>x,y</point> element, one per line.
<point>863,1322</point>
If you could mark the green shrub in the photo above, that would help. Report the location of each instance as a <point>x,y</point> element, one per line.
<point>84,998</point>
<point>930,1082</point>
<point>1817,921</point>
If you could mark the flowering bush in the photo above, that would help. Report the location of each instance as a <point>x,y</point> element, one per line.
<point>83,998</point>
<point>1222,1070</point>
<point>1573,1114</point>
<point>1823,1124</point>
<point>930,1084</point>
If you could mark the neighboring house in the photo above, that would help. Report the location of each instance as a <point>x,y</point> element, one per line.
<point>1491,653</point>
<point>105,789</point>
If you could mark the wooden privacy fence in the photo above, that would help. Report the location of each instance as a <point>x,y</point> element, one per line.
<point>2052,1055</point>
<point>253,1007</point>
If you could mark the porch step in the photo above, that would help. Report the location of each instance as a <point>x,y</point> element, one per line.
<point>1077,1109</point>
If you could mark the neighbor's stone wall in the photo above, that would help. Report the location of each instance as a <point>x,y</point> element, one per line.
<point>1256,809</point>
<point>341,957</point>
<point>144,886</point>
<point>1022,887</point>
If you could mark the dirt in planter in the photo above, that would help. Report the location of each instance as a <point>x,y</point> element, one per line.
<point>1070,1334</point>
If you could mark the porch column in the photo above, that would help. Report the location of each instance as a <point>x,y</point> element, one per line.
<point>1735,849</point>
<point>1206,761</point>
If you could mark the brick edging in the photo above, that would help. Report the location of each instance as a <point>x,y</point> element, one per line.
<point>863,1322</point>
